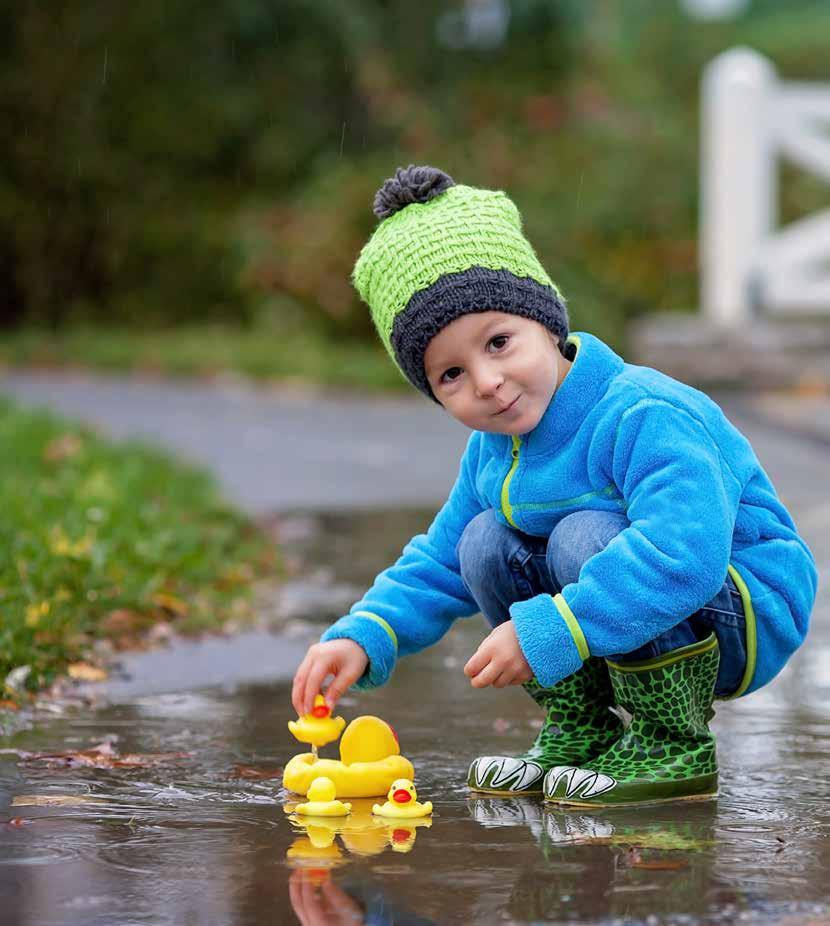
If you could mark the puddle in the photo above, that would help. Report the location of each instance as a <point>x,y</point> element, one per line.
<point>205,838</point>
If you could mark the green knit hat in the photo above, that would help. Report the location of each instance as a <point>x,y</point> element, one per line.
<point>444,250</point>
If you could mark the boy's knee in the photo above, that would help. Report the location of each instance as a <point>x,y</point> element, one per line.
<point>481,546</point>
<point>578,537</point>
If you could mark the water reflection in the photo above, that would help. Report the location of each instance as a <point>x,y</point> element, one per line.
<point>361,832</point>
<point>317,900</point>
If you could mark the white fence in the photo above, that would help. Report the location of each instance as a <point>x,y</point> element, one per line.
<point>751,120</point>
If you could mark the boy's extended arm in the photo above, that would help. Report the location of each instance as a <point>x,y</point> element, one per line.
<point>681,501</point>
<point>412,604</point>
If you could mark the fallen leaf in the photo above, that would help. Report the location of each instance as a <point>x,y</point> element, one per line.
<point>104,755</point>
<point>122,620</point>
<point>171,603</point>
<point>53,800</point>
<point>84,672</point>
<point>659,864</point>
<point>62,448</point>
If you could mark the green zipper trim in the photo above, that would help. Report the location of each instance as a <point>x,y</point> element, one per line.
<point>506,507</point>
<point>666,659</point>
<point>751,633</point>
<point>572,624</point>
<point>382,622</point>
<point>610,491</point>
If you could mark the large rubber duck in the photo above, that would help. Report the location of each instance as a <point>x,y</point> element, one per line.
<point>321,800</point>
<point>402,802</point>
<point>318,727</point>
<point>370,760</point>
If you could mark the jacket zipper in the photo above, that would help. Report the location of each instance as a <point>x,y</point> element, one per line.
<point>506,508</point>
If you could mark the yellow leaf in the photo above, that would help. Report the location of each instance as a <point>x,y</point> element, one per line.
<point>84,672</point>
<point>34,612</point>
<point>53,800</point>
<point>61,545</point>
<point>170,603</point>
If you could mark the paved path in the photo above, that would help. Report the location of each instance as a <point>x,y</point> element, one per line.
<point>281,450</point>
<point>272,449</point>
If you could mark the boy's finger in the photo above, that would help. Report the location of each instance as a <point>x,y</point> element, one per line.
<point>341,682</point>
<point>313,684</point>
<point>335,690</point>
<point>298,688</point>
<point>477,661</point>
<point>486,676</point>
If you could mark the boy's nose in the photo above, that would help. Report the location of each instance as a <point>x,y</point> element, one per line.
<point>487,383</point>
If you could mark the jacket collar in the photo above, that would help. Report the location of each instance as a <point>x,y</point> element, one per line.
<point>594,366</point>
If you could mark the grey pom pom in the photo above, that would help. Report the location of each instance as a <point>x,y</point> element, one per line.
<point>410,185</point>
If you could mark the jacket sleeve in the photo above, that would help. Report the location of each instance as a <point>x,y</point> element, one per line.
<point>681,500</point>
<point>413,603</point>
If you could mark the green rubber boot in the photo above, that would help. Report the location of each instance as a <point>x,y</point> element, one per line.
<point>667,752</point>
<point>578,725</point>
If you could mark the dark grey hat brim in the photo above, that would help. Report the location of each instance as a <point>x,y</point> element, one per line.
<point>474,290</point>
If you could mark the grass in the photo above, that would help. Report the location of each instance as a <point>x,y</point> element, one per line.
<point>303,357</point>
<point>101,540</point>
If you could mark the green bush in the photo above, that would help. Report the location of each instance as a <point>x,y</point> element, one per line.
<point>165,164</point>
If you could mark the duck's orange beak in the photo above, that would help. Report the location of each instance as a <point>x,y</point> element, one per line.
<point>401,796</point>
<point>320,710</point>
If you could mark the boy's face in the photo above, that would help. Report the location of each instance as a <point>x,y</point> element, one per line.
<point>494,371</point>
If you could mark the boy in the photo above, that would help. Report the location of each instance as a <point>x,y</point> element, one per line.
<point>614,528</point>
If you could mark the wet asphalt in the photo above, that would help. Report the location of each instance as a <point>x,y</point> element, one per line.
<point>201,839</point>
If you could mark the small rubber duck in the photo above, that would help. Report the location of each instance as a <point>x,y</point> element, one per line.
<point>322,803</point>
<point>318,727</point>
<point>402,802</point>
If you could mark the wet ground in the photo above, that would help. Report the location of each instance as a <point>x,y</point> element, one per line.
<point>203,837</point>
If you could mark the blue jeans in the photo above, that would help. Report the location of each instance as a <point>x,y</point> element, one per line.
<point>500,565</point>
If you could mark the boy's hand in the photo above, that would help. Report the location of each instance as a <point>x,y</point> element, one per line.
<point>344,659</point>
<point>499,661</point>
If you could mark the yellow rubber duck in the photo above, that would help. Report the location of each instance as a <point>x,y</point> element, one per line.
<point>322,803</point>
<point>370,761</point>
<point>318,727</point>
<point>402,802</point>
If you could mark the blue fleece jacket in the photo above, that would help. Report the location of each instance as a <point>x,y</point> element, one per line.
<point>615,437</point>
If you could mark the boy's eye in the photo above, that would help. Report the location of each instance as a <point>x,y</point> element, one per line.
<point>499,341</point>
<point>449,375</point>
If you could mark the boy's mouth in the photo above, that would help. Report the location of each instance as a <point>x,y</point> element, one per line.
<point>508,407</point>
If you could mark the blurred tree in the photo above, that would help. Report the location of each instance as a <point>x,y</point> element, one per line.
<point>169,162</point>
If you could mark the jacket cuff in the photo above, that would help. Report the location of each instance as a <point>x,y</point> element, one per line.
<point>378,640</point>
<point>550,637</point>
